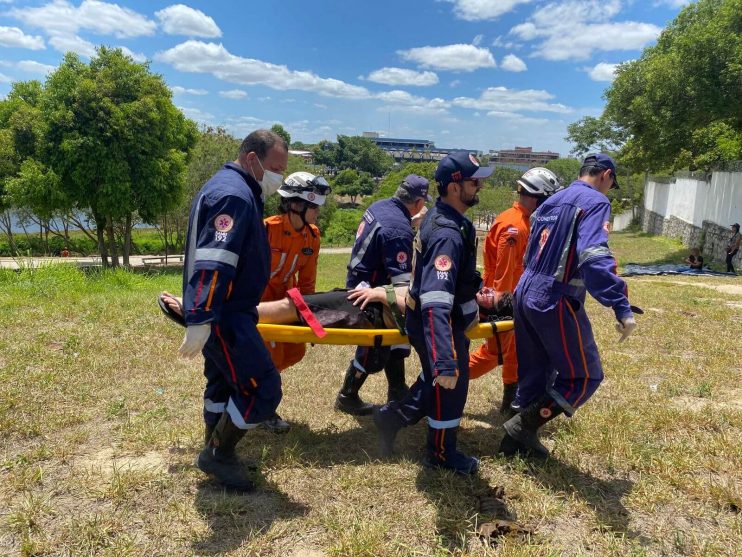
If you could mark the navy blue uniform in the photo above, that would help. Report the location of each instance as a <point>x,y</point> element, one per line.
<point>567,256</point>
<point>227,266</point>
<point>441,307</point>
<point>382,254</point>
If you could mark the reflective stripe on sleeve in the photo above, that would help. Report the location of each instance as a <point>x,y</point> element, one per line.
<point>594,251</point>
<point>443,424</point>
<point>217,255</point>
<point>402,278</point>
<point>469,307</point>
<point>439,296</point>
<point>215,407</point>
<point>364,246</point>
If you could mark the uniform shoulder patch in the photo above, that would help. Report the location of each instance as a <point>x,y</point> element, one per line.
<point>401,257</point>
<point>442,263</point>
<point>223,223</point>
<point>368,216</point>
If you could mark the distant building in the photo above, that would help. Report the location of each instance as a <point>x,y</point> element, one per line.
<point>412,150</point>
<point>306,155</point>
<point>521,158</point>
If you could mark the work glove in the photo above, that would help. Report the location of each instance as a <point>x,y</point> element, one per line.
<point>625,327</point>
<point>194,340</point>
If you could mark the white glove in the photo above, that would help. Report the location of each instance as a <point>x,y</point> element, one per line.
<point>625,327</point>
<point>194,340</point>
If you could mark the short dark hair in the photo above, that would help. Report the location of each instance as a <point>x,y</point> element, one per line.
<point>262,141</point>
<point>735,225</point>
<point>591,170</point>
<point>404,195</point>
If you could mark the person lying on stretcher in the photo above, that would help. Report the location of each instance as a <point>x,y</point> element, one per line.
<point>361,308</point>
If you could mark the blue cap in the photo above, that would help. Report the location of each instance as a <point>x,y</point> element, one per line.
<point>458,166</point>
<point>417,186</point>
<point>601,160</point>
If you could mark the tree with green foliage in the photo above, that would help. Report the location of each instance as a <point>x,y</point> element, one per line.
<point>352,183</point>
<point>116,141</point>
<point>325,153</point>
<point>680,104</point>
<point>504,176</point>
<point>391,181</point>
<point>280,130</point>
<point>591,135</point>
<point>363,155</point>
<point>566,169</point>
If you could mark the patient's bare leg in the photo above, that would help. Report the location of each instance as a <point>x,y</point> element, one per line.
<point>277,312</point>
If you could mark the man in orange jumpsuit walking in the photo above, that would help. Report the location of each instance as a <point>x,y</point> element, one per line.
<point>504,249</point>
<point>295,241</point>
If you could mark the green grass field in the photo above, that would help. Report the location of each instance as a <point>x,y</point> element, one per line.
<point>101,421</point>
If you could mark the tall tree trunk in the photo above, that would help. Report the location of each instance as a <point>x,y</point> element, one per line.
<point>112,249</point>
<point>100,236</point>
<point>127,239</point>
<point>6,222</point>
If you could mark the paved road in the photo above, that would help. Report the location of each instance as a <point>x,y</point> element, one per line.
<point>135,260</point>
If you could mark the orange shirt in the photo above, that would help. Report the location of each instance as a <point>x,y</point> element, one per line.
<point>293,258</point>
<point>504,249</point>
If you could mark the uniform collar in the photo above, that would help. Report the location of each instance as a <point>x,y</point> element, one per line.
<point>449,212</point>
<point>251,182</point>
<point>401,205</point>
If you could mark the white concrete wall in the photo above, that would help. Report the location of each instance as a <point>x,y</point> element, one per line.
<point>718,200</point>
<point>622,221</point>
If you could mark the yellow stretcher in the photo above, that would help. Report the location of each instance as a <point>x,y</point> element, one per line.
<point>362,337</point>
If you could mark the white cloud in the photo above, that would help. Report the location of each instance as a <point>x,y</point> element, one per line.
<point>476,41</point>
<point>182,20</point>
<point>553,26</point>
<point>455,83</point>
<point>502,99</point>
<point>14,37</point>
<point>673,3</point>
<point>136,56</point>
<point>478,10</point>
<point>512,63</point>
<point>200,57</point>
<point>321,106</point>
<point>5,79</point>
<point>178,90</point>
<point>197,115</point>
<point>401,76</point>
<point>517,118</point>
<point>60,17</point>
<point>73,43</point>
<point>454,57</point>
<point>31,66</point>
<point>233,94</point>
<point>501,42</point>
<point>602,72</point>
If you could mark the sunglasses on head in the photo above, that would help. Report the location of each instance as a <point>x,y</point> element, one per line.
<point>319,185</point>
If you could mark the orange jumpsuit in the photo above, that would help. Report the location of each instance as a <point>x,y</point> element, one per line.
<point>504,249</point>
<point>293,265</point>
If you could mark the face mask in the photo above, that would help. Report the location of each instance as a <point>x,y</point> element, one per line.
<point>271,181</point>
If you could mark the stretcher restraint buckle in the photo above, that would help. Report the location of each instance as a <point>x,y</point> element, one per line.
<point>306,313</point>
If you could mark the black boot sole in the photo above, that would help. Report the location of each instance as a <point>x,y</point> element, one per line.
<point>352,409</point>
<point>217,471</point>
<point>510,447</point>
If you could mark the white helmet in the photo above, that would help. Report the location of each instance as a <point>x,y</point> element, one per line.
<point>305,186</point>
<point>539,182</point>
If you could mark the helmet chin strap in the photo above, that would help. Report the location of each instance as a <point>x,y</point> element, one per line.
<point>302,215</point>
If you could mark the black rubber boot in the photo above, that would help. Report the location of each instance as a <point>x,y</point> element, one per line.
<point>394,371</point>
<point>388,423</point>
<point>348,400</point>
<point>508,396</point>
<point>208,430</point>
<point>443,454</point>
<point>521,431</point>
<point>218,458</point>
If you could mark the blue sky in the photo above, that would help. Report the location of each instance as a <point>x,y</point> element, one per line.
<point>477,74</point>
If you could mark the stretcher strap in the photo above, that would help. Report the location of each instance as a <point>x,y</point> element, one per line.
<point>499,347</point>
<point>306,313</point>
<point>391,298</point>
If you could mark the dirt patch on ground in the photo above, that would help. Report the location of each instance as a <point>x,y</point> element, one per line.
<point>734,289</point>
<point>104,462</point>
<point>695,404</point>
